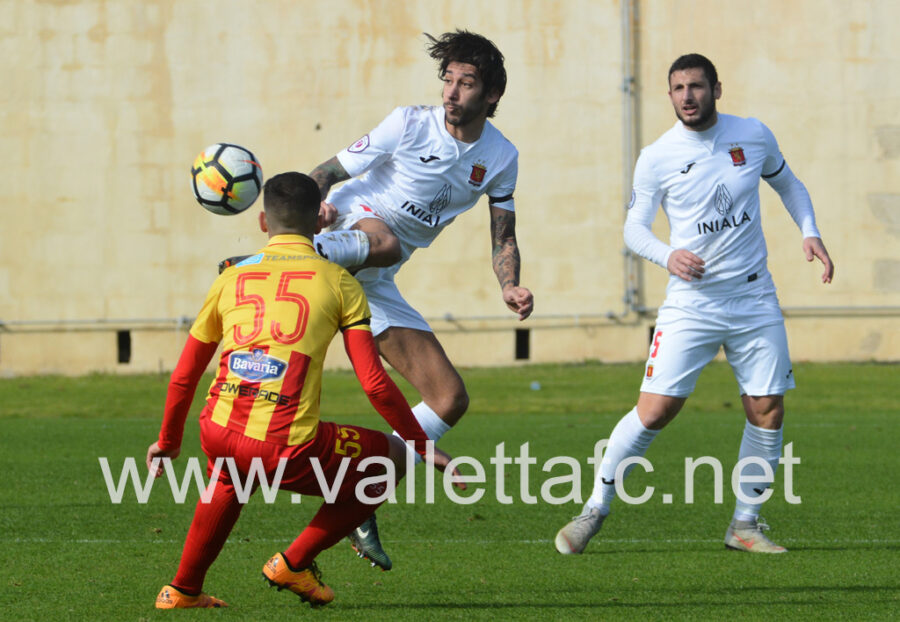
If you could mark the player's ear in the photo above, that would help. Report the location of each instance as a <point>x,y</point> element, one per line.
<point>717,90</point>
<point>263,225</point>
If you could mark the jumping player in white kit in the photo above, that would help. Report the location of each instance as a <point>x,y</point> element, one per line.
<point>408,179</point>
<point>705,173</point>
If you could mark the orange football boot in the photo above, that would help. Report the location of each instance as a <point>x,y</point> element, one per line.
<point>306,583</point>
<point>172,598</point>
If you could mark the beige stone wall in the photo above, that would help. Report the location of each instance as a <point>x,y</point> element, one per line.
<point>107,103</point>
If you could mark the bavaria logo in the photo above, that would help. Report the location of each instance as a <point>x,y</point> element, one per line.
<point>256,365</point>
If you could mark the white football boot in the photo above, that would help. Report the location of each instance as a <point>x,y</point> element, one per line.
<point>574,537</point>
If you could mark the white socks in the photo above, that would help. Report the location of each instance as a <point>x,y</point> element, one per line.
<point>347,248</point>
<point>765,444</point>
<point>629,438</point>
<point>431,423</point>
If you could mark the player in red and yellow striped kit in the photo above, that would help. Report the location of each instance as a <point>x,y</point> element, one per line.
<point>275,314</point>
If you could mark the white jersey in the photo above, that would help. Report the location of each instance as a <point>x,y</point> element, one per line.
<point>708,185</point>
<point>418,178</point>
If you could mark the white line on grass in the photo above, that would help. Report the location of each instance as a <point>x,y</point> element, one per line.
<point>444,541</point>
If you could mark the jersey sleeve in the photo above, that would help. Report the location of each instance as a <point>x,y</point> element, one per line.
<point>354,306</point>
<point>646,194</point>
<point>500,194</point>
<point>376,146</point>
<point>774,160</point>
<point>201,345</point>
<point>383,393</point>
<point>182,386</point>
<point>793,193</point>
<point>208,325</point>
<point>796,199</point>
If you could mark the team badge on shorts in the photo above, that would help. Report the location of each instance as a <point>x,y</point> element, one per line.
<point>737,156</point>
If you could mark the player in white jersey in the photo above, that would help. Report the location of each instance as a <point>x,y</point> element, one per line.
<point>705,173</point>
<point>408,179</point>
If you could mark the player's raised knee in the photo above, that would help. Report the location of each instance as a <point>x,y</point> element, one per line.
<point>384,250</point>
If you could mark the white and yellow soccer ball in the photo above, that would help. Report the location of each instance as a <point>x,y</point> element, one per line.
<point>226,178</point>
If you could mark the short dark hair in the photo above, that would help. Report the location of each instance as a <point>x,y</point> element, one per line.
<point>291,202</point>
<point>695,61</point>
<point>463,46</point>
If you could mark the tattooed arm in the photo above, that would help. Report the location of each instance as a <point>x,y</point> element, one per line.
<point>329,173</point>
<point>326,175</point>
<point>505,252</point>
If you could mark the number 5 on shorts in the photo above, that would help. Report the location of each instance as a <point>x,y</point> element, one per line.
<point>347,447</point>
<point>655,344</point>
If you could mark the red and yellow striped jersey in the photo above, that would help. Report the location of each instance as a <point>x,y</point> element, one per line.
<point>276,314</point>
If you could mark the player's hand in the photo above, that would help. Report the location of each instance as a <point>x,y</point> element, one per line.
<point>686,265</point>
<point>327,215</point>
<point>813,247</point>
<point>441,462</point>
<point>155,452</point>
<point>519,300</point>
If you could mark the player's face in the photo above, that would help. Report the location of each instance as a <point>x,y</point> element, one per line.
<point>464,99</point>
<point>693,98</point>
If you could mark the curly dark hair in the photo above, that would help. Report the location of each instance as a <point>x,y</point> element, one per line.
<point>463,46</point>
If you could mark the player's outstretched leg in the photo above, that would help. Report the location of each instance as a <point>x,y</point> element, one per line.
<point>306,583</point>
<point>628,439</point>
<point>749,536</point>
<point>172,598</point>
<point>366,544</point>
<point>574,537</point>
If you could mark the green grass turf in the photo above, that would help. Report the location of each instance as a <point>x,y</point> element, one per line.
<point>68,553</point>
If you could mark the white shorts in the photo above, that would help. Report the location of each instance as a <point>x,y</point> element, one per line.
<point>388,306</point>
<point>690,329</point>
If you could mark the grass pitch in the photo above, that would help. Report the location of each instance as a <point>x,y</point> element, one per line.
<point>68,553</point>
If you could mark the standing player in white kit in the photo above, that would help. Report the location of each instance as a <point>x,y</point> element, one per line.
<point>423,166</point>
<point>705,172</point>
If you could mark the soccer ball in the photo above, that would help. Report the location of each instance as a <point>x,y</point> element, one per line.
<point>226,178</point>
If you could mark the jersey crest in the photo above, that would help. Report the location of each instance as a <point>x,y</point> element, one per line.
<point>737,156</point>
<point>477,174</point>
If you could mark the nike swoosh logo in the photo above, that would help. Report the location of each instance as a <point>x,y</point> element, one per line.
<point>429,159</point>
<point>749,544</point>
<point>685,170</point>
<point>363,532</point>
<point>608,482</point>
